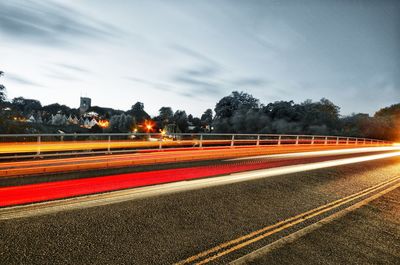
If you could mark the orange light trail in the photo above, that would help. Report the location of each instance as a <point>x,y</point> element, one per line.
<point>151,158</point>
<point>33,147</point>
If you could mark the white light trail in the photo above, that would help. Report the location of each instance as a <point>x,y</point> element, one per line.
<point>323,153</point>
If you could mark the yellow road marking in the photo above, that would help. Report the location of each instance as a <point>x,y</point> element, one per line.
<point>310,228</point>
<point>281,226</point>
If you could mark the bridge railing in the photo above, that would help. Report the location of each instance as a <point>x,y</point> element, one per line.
<point>31,145</point>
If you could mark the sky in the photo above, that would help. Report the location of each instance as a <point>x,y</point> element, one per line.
<point>188,54</point>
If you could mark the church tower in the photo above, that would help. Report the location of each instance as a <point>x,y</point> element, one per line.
<point>85,104</point>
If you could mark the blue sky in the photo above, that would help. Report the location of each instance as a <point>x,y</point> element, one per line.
<point>188,54</point>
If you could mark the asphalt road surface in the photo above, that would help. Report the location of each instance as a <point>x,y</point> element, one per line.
<point>369,235</point>
<point>175,227</point>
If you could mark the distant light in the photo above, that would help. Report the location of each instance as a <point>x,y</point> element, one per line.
<point>103,123</point>
<point>149,124</point>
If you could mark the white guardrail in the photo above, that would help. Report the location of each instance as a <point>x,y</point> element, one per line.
<point>31,145</point>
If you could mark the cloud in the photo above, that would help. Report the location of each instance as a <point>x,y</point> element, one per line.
<point>62,76</point>
<point>47,23</point>
<point>205,71</point>
<point>205,80</point>
<point>195,87</point>
<point>73,68</point>
<point>195,54</point>
<point>250,82</point>
<point>154,85</point>
<point>20,80</point>
<point>66,72</point>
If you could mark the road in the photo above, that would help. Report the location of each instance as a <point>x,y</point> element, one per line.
<point>24,192</point>
<point>369,235</point>
<point>220,223</point>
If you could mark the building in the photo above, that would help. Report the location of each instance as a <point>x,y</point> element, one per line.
<point>85,104</point>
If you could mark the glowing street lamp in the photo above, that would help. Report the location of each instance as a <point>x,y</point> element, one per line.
<point>148,124</point>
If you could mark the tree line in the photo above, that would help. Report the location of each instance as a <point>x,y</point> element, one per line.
<point>242,113</point>
<point>238,112</point>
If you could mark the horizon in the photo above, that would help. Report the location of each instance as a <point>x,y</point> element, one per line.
<point>212,108</point>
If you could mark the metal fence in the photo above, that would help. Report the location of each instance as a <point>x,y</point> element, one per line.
<point>30,145</point>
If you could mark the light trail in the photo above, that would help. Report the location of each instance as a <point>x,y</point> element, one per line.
<point>115,161</point>
<point>33,147</point>
<point>61,189</point>
<point>325,152</point>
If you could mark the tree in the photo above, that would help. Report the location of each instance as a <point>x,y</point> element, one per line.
<point>392,111</point>
<point>206,120</point>
<point>226,107</point>
<point>121,123</point>
<point>285,110</point>
<point>181,120</point>
<point>59,119</point>
<point>320,117</point>
<point>2,90</point>
<point>165,116</point>
<point>207,117</point>
<point>26,106</point>
<point>389,119</point>
<point>196,122</point>
<point>137,111</point>
<point>3,115</point>
<point>56,108</point>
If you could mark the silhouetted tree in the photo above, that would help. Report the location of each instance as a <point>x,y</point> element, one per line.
<point>121,123</point>
<point>207,116</point>
<point>26,106</point>
<point>389,120</point>
<point>2,89</point>
<point>56,108</point>
<point>286,110</point>
<point>227,106</point>
<point>181,120</point>
<point>138,112</point>
<point>320,117</point>
<point>165,115</point>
